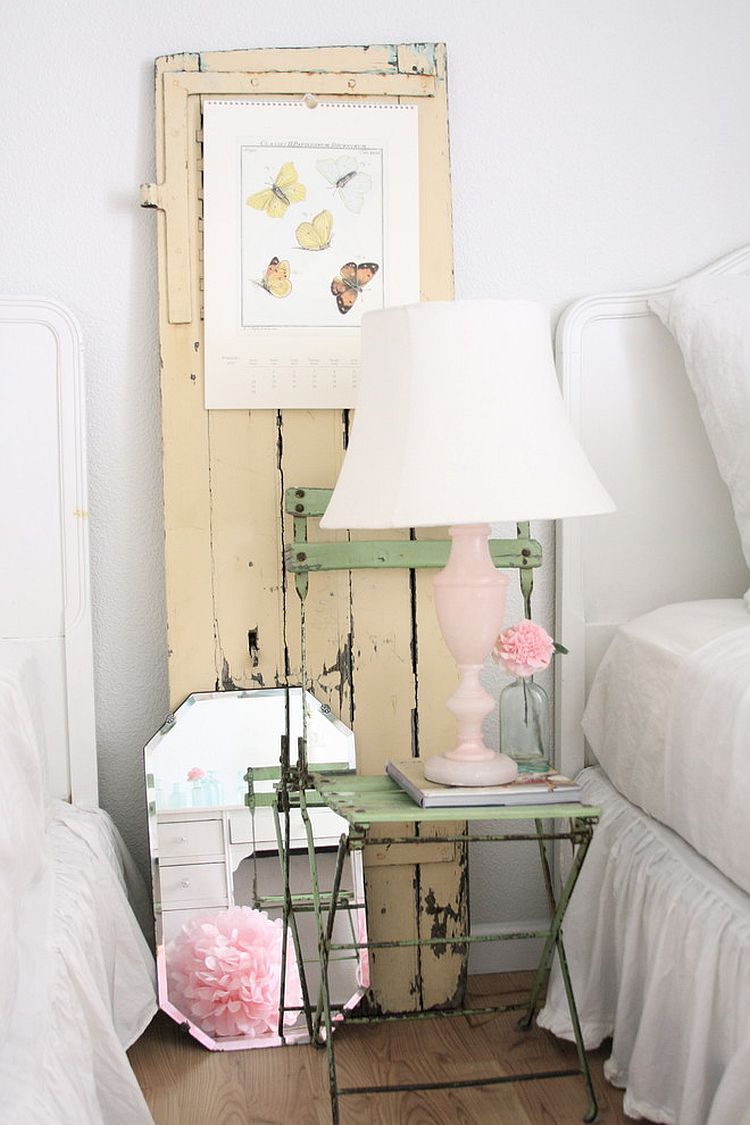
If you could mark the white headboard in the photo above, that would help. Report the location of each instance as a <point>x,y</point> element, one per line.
<point>673,537</point>
<point>45,611</point>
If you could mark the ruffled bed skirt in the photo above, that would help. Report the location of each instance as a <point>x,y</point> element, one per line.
<point>83,984</point>
<point>658,944</point>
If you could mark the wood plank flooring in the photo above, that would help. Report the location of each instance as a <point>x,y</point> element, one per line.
<point>186,1085</point>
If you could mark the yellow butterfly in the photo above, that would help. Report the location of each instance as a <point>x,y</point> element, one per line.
<point>275,199</point>
<point>316,235</point>
<point>276,279</point>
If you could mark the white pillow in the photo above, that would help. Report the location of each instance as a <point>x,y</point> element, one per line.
<point>709,317</point>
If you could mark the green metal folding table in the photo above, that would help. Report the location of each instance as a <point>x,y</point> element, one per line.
<point>369,805</point>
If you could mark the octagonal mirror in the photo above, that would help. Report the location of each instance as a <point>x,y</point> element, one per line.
<point>211,854</point>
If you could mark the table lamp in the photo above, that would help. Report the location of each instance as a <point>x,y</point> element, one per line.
<point>460,423</point>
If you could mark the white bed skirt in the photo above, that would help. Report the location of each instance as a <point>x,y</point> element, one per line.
<point>658,944</point>
<point>82,988</point>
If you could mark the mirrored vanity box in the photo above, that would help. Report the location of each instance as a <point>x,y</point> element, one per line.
<point>210,851</point>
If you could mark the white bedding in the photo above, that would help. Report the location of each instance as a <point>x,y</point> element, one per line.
<point>658,940</point>
<point>668,718</point>
<point>77,986</point>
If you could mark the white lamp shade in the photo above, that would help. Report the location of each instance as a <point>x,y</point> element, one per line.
<point>460,420</point>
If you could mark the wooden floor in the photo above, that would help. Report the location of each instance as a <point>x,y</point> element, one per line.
<point>186,1085</point>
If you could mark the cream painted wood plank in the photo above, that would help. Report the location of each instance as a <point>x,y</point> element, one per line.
<point>191,667</point>
<point>246,548</point>
<point>179,187</point>
<point>420,58</point>
<point>312,451</point>
<point>385,698</point>
<point>185,456</point>
<point>396,855</point>
<point>383,668</point>
<point>313,60</point>
<point>189,60</point>
<point>443,898</point>
<point>347,84</point>
<point>436,216</point>
<point>436,674</point>
<point>390,892</point>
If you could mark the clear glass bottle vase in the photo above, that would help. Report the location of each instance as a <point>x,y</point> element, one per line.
<point>525,726</point>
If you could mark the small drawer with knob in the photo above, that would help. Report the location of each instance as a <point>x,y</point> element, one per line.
<point>189,884</point>
<point>181,838</point>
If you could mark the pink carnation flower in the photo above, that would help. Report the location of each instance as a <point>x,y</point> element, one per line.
<point>523,649</point>
<point>195,774</point>
<point>224,972</point>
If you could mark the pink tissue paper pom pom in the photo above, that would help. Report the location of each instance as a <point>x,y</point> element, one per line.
<point>224,972</point>
<point>195,774</point>
<point>523,649</point>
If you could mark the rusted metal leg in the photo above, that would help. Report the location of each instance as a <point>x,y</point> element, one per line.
<point>317,903</point>
<point>583,1062</point>
<point>555,941</point>
<point>290,922</point>
<point>324,1035</point>
<point>558,912</point>
<point>326,938</point>
<point>325,994</point>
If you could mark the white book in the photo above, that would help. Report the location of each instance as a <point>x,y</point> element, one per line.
<point>550,788</point>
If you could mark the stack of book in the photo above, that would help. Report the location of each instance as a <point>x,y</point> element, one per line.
<point>529,788</point>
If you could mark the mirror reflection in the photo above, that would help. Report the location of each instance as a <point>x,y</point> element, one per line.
<point>212,855</point>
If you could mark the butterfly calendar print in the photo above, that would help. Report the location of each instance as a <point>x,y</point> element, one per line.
<point>307,215</point>
<point>350,282</point>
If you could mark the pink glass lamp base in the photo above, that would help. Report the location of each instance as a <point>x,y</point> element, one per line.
<point>444,769</point>
<point>470,602</point>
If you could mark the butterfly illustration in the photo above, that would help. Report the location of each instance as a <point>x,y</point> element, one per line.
<point>316,235</point>
<point>275,280</point>
<point>284,190</point>
<point>348,286</point>
<point>348,182</point>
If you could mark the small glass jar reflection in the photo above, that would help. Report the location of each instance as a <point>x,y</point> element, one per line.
<point>177,798</point>
<point>199,793</point>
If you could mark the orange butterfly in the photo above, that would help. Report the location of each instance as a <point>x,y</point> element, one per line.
<point>276,279</point>
<point>350,284</point>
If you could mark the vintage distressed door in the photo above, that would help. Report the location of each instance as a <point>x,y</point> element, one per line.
<point>374,652</point>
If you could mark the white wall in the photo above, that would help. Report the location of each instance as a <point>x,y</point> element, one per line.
<point>595,146</point>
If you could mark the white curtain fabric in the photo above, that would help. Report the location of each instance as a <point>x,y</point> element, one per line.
<point>658,943</point>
